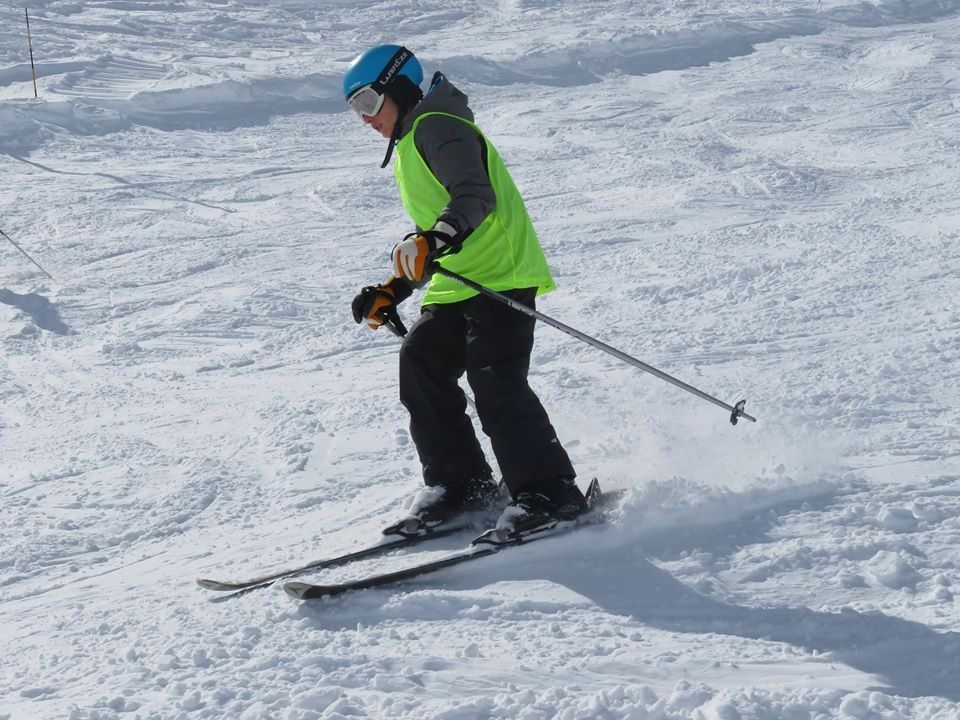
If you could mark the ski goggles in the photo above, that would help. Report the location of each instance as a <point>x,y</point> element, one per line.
<point>366,101</point>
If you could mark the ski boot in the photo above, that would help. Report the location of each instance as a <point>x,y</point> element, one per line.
<point>535,512</point>
<point>438,505</point>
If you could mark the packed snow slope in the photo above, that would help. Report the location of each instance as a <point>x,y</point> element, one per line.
<point>758,198</point>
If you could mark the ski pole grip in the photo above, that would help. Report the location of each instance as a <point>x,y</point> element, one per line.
<point>391,319</point>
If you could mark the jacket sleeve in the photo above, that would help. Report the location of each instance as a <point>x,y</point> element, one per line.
<point>455,154</point>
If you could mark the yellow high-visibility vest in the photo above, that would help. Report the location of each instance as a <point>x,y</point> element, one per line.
<point>502,254</point>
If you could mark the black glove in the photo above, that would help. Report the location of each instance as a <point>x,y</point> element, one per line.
<point>374,305</point>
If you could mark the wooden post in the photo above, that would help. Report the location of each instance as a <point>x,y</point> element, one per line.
<point>33,68</point>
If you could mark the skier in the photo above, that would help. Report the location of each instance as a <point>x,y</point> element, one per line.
<point>470,219</point>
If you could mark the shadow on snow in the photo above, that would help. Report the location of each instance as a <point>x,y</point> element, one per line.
<point>610,568</point>
<point>43,313</point>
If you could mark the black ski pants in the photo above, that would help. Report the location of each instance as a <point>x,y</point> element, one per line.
<point>491,342</point>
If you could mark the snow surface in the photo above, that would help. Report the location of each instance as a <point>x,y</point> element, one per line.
<point>759,198</point>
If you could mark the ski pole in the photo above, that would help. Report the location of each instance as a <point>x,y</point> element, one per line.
<point>736,411</point>
<point>26,255</point>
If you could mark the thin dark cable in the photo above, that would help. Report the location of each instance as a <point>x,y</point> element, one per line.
<point>26,255</point>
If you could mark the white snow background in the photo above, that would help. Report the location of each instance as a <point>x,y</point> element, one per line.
<point>758,198</point>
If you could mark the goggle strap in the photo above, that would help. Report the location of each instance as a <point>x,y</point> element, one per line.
<point>385,77</point>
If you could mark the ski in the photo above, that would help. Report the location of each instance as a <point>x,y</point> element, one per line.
<point>382,548</point>
<point>485,545</point>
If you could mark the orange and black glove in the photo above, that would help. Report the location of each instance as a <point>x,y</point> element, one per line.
<point>375,305</point>
<point>412,255</point>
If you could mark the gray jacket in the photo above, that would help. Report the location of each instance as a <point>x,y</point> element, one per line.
<point>455,153</point>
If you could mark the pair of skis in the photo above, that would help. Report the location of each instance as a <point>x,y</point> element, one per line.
<point>489,543</point>
<point>386,546</point>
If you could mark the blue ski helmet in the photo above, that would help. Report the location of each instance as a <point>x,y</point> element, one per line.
<point>380,66</point>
